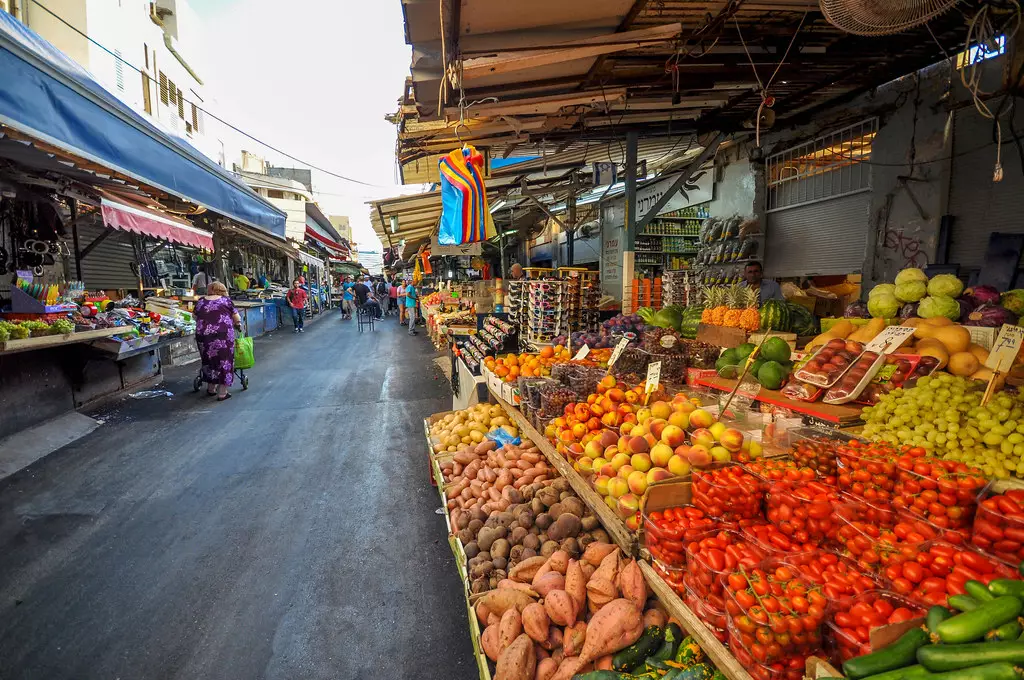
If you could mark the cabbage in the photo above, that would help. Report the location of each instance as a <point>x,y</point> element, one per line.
<point>946,285</point>
<point>908,311</point>
<point>939,305</point>
<point>1013,300</point>
<point>883,305</point>
<point>856,310</point>
<point>882,288</point>
<point>990,316</point>
<point>911,275</point>
<point>911,291</point>
<point>984,295</point>
<point>670,317</point>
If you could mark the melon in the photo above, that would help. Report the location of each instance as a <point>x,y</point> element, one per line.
<point>933,351</point>
<point>955,338</point>
<point>963,364</point>
<point>979,351</point>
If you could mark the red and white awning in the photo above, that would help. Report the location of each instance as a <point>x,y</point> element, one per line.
<point>331,244</point>
<point>127,215</point>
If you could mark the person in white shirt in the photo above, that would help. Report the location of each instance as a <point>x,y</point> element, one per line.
<point>201,281</point>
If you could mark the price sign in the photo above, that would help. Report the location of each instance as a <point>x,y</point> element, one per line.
<point>653,376</point>
<point>890,339</point>
<point>582,354</point>
<point>617,352</point>
<point>1004,351</point>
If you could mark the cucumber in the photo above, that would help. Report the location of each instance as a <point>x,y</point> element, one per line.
<point>964,603</point>
<point>629,658</point>
<point>1004,586</point>
<point>936,615</point>
<point>938,658</point>
<point>899,654</point>
<point>972,625</point>
<point>979,591</point>
<point>1020,568</point>
<point>670,643</point>
<point>990,671</point>
<point>1010,630</point>
<point>908,673</point>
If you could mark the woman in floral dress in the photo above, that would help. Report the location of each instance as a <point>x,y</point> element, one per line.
<point>216,320</point>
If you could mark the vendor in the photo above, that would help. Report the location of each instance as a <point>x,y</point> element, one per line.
<point>766,290</point>
<point>241,281</point>
<point>517,272</point>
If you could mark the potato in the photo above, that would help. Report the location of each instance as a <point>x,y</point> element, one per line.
<point>556,510</point>
<point>486,538</point>
<point>477,513</point>
<point>475,526</point>
<point>500,548</point>
<point>560,484</point>
<point>472,549</point>
<point>548,548</point>
<point>515,555</point>
<point>532,542</point>
<point>543,521</point>
<point>547,496</point>
<point>566,526</point>
<point>517,536</point>
<point>526,519</point>
<point>537,505</point>
<point>500,531</point>
<point>499,563</point>
<point>528,553</point>
<point>583,540</point>
<point>565,495</point>
<point>514,496</point>
<point>571,547</point>
<point>484,556</point>
<point>481,569</point>
<point>480,585</point>
<point>574,506</point>
<point>465,535</point>
<point>590,523</point>
<point>601,536</point>
<point>505,519</point>
<point>460,520</point>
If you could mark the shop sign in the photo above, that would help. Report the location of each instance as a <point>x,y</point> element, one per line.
<point>647,196</point>
<point>890,339</point>
<point>466,249</point>
<point>617,352</point>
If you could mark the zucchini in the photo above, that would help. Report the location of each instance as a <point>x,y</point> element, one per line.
<point>936,615</point>
<point>689,652</point>
<point>990,671</point>
<point>979,591</point>
<point>899,654</point>
<point>1010,630</point>
<point>701,671</point>
<point>602,675</point>
<point>1004,586</point>
<point>629,658</point>
<point>938,658</point>
<point>964,603</point>
<point>670,643</point>
<point>908,673</point>
<point>972,625</point>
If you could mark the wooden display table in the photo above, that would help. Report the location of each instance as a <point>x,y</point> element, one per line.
<point>29,344</point>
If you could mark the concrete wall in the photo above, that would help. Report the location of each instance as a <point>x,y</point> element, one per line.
<point>735,184</point>
<point>63,38</point>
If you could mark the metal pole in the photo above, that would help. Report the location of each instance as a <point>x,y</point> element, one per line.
<point>632,140</point>
<point>74,232</point>
<point>570,237</point>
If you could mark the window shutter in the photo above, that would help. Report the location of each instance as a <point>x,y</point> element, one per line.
<point>163,87</point>
<point>195,119</point>
<point>119,70</point>
<point>147,97</point>
<point>181,106</point>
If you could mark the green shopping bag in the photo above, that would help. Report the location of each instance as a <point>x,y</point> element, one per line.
<point>244,357</point>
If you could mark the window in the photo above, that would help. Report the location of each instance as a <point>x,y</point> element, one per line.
<point>980,53</point>
<point>165,88</point>
<point>145,54</point>
<point>181,106</point>
<point>147,97</point>
<point>119,70</point>
<point>195,119</point>
<point>830,166</point>
<point>275,193</point>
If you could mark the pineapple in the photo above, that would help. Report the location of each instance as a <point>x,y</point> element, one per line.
<point>735,301</point>
<point>720,306</point>
<point>750,318</point>
<point>708,295</point>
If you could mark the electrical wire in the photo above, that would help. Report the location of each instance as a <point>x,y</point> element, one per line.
<point>207,112</point>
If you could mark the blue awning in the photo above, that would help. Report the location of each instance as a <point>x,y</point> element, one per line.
<point>46,95</point>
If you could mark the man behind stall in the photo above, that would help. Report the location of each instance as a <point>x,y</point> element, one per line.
<point>766,289</point>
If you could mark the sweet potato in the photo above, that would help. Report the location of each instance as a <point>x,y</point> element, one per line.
<point>576,584</point>
<point>548,582</point>
<point>527,569</point>
<point>573,638</point>
<point>655,617</point>
<point>498,601</point>
<point>615,626</point>
<point>570,666</point>
<point>521,587</point>
<point>541,653</point>
<point>559,561</point>
<point>509,628</point>
<point>601,591</point>
<point>560,607</point>
<point>596,552</point>
<point>554,641</point>
<point>481,612</point>
<point>536,623</point>
<point>632,584</point>
<point>489,642</point>
<point>609,568</point>
<point>588,569</point>
<point>493,619</point>
<point>546,669</point>
<point>604,663</point>
<point>518,661</point>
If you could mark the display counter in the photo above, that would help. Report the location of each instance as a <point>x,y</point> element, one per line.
<point>259,317</point>
<point>29,344</point>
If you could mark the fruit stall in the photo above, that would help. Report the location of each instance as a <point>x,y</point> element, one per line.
<point>883,540</point>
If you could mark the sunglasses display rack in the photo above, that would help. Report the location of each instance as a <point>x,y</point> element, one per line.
<point>472,353</point>
<point>496,335</point>
<point>545,314</point>
<point>518,300</point>
<point>678,288</point>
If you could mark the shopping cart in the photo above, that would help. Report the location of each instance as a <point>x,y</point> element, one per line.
<point>243,379</point>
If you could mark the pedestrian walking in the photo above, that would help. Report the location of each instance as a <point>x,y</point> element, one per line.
<point>380,293</point>
<point>401,302</point>
<point>216,323</point>
<point>296,298</point>
<point>393,297</point>
<point>410,307</point>
<point>347,298</point>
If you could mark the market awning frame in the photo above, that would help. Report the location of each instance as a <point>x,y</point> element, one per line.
<point>127,216</point>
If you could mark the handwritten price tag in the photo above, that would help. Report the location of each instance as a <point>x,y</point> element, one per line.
<point>582,354</point>
<point>890,339</point>
<point>617,352</point>
<point>653,376</point>
<point>1004,351</point>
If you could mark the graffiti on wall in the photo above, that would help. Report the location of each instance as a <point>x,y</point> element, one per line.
<point>908,250</point>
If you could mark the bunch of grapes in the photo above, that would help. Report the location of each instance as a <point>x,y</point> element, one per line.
<point>944,414</point>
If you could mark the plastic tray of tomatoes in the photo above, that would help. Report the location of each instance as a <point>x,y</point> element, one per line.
<point>673,576</point>
<point>999,524</point>
<point>789,668</point>
<point>816,449</point>
<point>779,469</point>
<point>772,542</point>
<point>866,534</point>
<point>710,609</point>
<point>839,576</point>
<point>727,492</point>
<point>666,532</point>
<point>910,528</point>
<point>945,492</point>
<point>935,569</point>
<point>866,470</point>
<point>848,632</point>
<point>715,555</point>
<point>804,511</point>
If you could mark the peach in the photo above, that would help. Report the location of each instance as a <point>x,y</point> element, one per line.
<point>673,435</point>
<point>632,396</point>
<point>606,438</point>
<point>682,450</point>
<point>607,404</point>
<point>628,505</point>
<point>721,454</point>
<point>678,465</point>
<point>637,481</point>
<point>754,449</point>
<point>612,502</point>
<point>658,475</point>
<point>661,410</point>
<point>629,418</point>
<point>660,453</point>
<point>626,427</point>
<point>702,437</point>
<point>701,419</point>
<point>610,451</point>
<point>650,439</point>
<point>575,450</point>
<point>611,419</point>
<point>593,449</point>
<point>607,470</point>
<point>617,487</point>
<point>732,439</point>
<point>616,395</point>
<point>684,407</point>
<point>585,466</point>
<point>657,426</point>
<point>643,415</point>
<point>619,459</point>
<point>550,432</point>
<point>679,419</point>
<point>626,409</point>
<point>578,430</point>
<point>638,445</point>
<point>596,409</point>
<point>623,443</point>
<point>625,471</point>
<point>717,429</point>
<point>699,456</point>
<point>607,382</point>
<point>601,484</point>
<point>633,522</point>
<point>641,461</point>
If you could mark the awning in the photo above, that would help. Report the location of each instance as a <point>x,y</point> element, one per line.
<point>326,241</point>
<point>46,95</point>
<point>130,216</point>
<point>307,259</point>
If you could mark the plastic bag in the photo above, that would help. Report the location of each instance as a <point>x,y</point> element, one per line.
<point>503,437</point>
<point>465,216</point>
<point>244,356</point>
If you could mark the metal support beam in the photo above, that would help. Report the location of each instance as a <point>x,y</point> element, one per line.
<point>684,177</point>
<point>99,239</point>
<point>570,236</point>
<point>632,140</point>
<point>544,208</point>
<point>74,234</point>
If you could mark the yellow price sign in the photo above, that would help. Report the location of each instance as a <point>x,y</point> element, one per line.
<point>1005,349</point>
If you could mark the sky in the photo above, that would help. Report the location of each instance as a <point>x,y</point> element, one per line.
<point>314,79</point>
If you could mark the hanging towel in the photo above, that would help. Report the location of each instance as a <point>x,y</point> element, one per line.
<point>465,216</point>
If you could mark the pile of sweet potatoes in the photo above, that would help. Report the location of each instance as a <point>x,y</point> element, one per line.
<point>514,523</point>
<point>556,616</point>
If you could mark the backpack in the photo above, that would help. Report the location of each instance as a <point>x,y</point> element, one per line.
<point>382,289</point>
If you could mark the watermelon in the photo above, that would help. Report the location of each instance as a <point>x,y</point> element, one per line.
<point>801,321</point>
<point>775,316</point>
<point>691,319</point>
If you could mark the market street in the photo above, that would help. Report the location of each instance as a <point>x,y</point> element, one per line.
<point>289,532</point>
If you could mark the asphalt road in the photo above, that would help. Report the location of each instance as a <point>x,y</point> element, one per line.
<point>287,533</point>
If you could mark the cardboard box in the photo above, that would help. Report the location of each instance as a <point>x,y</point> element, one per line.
<point>985,337</point>
<point>695,374</point>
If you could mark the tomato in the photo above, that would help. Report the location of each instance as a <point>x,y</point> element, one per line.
<point>913,572</point>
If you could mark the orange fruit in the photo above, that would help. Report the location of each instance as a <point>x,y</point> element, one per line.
<point>547,352</point>
<point>501,371</point>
